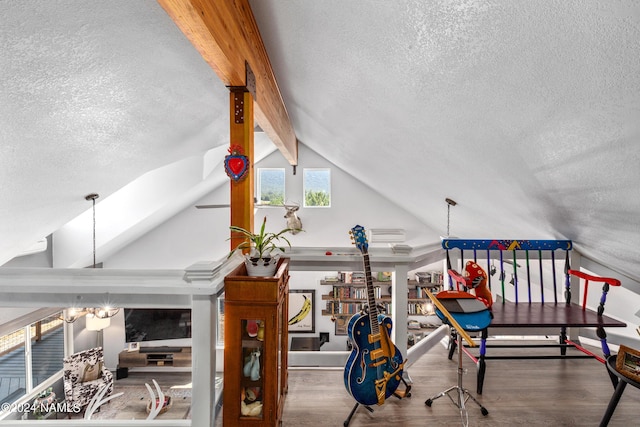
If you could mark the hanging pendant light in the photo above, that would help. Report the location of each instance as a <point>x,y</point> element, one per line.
<point>450,202</point>
<point>72,314</point>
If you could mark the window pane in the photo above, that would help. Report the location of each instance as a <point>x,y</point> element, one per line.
<point>317,187</point>
<point>47,348</point>
<point>47,351</point>
<point>12,367</point>
<point>270,185</point>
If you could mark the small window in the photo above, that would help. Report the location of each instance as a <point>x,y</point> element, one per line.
<point>317,187</point>
<point>270,186</point>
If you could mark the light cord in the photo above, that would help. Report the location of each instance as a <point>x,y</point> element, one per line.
<point>93,197</point>
<point>450,203</point>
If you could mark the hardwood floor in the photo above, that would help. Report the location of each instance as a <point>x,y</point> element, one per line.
<point>570,392</point>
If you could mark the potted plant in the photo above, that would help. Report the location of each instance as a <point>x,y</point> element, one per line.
<point>43,403</point>
<point>264,248</point>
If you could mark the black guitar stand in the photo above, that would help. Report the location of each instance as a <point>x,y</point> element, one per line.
<point>398,393</point>
<point>462,394</point>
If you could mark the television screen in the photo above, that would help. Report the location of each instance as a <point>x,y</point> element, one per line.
<point>150,324</point>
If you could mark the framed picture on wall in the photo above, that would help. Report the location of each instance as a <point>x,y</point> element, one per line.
<point>341,324</point>
<point>301,311</point>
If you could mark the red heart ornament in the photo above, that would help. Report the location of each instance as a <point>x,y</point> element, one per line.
<point>236,166</point>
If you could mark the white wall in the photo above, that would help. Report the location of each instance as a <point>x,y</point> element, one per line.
<point>40,259</point>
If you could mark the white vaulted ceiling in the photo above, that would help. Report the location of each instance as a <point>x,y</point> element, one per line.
<point>525,113</point>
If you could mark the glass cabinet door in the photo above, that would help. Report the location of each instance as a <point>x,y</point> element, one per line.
<point>283,348</point>
<point>252,354</point>
<point>280,320</point>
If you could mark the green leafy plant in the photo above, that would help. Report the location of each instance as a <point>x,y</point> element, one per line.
<point>317,198</point>
<point>40,404</point>
<point>45,393</point>
<point>261,244</point>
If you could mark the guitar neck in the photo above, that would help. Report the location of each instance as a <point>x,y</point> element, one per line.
<point>371,298</point>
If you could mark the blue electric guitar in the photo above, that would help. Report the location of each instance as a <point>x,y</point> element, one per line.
<point>374,367</point>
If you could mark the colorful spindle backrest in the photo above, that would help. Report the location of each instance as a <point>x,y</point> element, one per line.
<point>509,252</point>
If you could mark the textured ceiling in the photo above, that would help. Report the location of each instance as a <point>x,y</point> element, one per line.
<point>93,96</point>
<point>525,113</point>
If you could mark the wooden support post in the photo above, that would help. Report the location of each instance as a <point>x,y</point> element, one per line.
<point>241,134</point>
<point>38,334</point>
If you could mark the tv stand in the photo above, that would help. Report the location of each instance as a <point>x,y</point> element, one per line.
<point>161,349</point>
<point>177,357</point>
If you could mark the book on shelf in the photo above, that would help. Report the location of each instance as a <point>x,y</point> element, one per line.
<point>429,276</point>
<point>358,277</point>
<point>338,307</point>
<point>414,308</point>
<point>351,277</point>
<point>350,292</point>
<point>335,307</point>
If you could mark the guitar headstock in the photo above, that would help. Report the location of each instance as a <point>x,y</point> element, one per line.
<point>359,238</point>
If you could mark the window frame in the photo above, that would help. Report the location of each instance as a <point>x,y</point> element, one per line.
<point>259,201</point>
<point>304,187</point>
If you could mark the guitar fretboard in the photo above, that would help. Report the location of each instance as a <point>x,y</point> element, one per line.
<point>371,298</point>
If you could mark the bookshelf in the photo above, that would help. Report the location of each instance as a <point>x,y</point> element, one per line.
<point>348,293</point>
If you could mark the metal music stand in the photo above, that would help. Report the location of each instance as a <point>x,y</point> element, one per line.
<point>462,395</point>
<point>457,393</point>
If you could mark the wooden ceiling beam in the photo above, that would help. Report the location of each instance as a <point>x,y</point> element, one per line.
<point>227,36</point>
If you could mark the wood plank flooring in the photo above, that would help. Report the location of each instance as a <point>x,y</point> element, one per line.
<point>570,392</point>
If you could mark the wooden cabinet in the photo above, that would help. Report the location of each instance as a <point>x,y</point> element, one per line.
<point>255,347</point>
